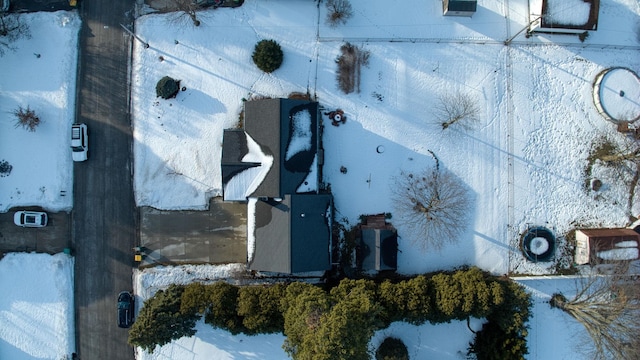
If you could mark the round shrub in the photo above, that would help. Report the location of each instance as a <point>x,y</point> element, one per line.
<point>267,55</point>
<point>5,168</point>
<point>167,87</point>
<point>392,349</point>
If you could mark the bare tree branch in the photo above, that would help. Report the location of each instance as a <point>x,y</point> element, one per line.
<point>11,29</point>
<point>339,11</point>
<point>458,109</point>
<point>433,204</point>
<point>608,306</point>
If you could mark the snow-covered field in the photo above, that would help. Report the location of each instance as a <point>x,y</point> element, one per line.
<point>36,306</point>
<point>39,74</point>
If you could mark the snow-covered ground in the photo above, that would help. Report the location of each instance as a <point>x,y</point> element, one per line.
<point>39,74</point>
<point>524,162</point>
<point>552,333</point>
<point>36,306</point>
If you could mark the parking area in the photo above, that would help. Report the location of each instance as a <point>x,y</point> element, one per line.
<point>53,238</point>
<point>215,236</point>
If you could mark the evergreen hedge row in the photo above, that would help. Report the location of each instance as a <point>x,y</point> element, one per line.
<point>339,322</point>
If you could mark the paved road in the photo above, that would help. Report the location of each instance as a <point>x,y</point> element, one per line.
<point>104,215</point>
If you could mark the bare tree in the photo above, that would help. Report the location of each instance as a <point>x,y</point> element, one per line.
<point>188,7</point>
<point>433,205</point>
<point>339,11</point>
<point>459,109</point>
<point>26,118</point>
<point>11,29</point>
<point>608,306</point>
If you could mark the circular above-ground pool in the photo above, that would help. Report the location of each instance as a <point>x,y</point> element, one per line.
<point>538,244</point>
<point>616,92</point>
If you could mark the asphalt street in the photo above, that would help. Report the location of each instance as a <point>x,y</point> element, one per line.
<point>104,213</point>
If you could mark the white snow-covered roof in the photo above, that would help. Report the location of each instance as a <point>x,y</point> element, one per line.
<point>246,182</point>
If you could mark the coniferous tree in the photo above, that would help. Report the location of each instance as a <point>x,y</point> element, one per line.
<point>222,312</point>
<point>259,307</point>
<point>161,320</point>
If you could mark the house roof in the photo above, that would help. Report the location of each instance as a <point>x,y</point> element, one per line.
<point>610,233</point>
<point>293,235</point>
<point>461,5</point>
<point>380,249</point>
<point>274,124</point>
<point>287,132</point>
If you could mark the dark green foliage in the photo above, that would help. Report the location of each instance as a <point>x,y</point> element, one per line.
<point>195,299</point>
<point>259,306</point>
<point>392,349</point>
<point>504,336</point>
<point>167,88</point>
<point>222,313</point>
<point>5,168</point>
<point>267,55</point>
<point>408,300</point>
<point>345,331</point>
<point>303,306</point>
<point>160,320</point>
<point>338,324</point>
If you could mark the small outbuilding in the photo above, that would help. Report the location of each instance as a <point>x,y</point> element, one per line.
<point>595,246</point>
<point>377,244</point>
<point>459,7</point>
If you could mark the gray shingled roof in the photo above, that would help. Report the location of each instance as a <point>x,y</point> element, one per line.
<point>293,235</point>
<point>269,123</point>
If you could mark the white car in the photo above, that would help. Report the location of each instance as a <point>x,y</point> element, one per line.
<point>79,142</point>
<point>30,218</point>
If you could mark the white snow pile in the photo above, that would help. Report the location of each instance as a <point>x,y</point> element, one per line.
<point>39,75</point>
<point>301,136</point>
<point>242,185</point>
<point>36,306</point>
<point>624,250</point>
<point>150,280</point>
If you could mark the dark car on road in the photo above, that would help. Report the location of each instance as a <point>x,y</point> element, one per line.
<point>125,309</point>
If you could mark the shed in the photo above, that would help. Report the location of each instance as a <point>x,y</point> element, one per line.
<point>459,7</point>
<point>595,246</point>
<point>377,244</point>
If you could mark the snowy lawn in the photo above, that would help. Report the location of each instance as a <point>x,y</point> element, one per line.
<point>40,74</point>
<point>553,334</point>
<point>537,116</point>
<point>36,306</point>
